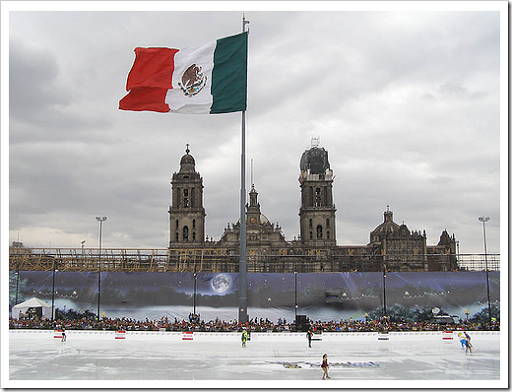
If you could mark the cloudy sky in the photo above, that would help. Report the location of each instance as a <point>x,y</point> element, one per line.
<point>407,103</point>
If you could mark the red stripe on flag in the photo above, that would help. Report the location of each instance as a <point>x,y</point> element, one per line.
<point>153,67</point>
<point>145,98</point>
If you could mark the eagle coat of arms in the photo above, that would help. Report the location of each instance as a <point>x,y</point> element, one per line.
<point>193,80</point>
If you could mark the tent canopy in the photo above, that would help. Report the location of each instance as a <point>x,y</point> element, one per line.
<point>43,308</point>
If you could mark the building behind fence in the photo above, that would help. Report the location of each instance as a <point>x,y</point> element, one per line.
<point>392,247</point>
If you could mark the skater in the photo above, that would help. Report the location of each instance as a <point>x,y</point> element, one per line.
<point>324,367</point>
<point>244,337</point>
<point>469,346</point>
<point>309,335</point>
<point>63,335</point>
<point>462,340</point>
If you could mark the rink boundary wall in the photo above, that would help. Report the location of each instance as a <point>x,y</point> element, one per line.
<point>254,336</point>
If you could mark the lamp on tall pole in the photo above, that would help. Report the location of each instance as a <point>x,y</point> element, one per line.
<point>384,275</point>
<point>53,289</point>
<point>17,281</point>
<point>100,219</point>
<point>483,220</point>
<point>195,292</point>
<point>296,305</point>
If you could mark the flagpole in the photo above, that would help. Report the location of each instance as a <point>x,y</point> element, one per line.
<point>242,298</point>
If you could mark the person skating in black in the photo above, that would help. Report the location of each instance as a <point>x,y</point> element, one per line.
<point>309,335</point>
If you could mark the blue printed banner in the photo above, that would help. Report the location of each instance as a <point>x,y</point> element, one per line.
<point>333,296</point>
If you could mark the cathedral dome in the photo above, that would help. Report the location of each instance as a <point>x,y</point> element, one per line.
<point>315,160</point>
<point>187,162</point>
<point>263,219</point>
<point>388,227</point>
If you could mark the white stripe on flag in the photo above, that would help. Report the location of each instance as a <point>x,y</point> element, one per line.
<point>202,102</point>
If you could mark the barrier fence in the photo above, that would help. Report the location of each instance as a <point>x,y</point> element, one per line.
<point>194,337</point>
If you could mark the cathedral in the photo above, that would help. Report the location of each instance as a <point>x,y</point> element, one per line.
<point>392,247</point>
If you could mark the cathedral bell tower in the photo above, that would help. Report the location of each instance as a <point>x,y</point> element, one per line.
<point>317,211</point>
<point>253,209</point>
<point>186,214</point>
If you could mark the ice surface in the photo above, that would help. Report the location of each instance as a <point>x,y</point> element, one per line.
<point>163,359</point>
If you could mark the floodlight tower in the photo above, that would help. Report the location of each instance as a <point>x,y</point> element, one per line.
<point>484,220</point>
<point>100,219</point>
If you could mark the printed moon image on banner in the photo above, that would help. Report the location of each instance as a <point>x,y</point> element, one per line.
<point>221,283</point>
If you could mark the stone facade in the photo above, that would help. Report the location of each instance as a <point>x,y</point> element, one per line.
<point>392,247</point>
<point>187,214</point>
<point>317,211</point>
<point>263,237</point>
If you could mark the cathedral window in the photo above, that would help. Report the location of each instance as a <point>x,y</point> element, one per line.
<point>193,223</point>
<point>193,236</point>
<point>185,198</point>
<point>185,233</point>
<point>310,235</point>
<point>319,233</point>
<point>328,235</point>
<point>311,223</point>
<point>327,223</point>
<point>177,224</point>
<point>318,197</point>
<point>177,236</point>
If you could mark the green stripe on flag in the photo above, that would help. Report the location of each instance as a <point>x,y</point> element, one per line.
<point>229,75</point>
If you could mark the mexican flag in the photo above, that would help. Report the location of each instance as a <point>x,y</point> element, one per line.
<point>209,79</point>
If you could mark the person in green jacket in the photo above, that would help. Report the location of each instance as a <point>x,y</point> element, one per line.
<point>244,337</point>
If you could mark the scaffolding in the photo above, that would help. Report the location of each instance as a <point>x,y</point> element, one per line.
<point>216,260</point>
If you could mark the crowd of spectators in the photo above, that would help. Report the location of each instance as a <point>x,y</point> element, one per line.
<point>253,325</point>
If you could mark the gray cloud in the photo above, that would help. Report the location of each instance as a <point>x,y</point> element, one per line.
<point>406,103</point>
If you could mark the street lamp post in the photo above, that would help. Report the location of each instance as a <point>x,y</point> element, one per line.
<point>195,291</point>
<point>17,282</point>
<point>296,305</point>
<point>100,219</point>
<point>53,289</point>
<point>483,220</point>
<point>384,272</point>
<point>83,250</point>
<point>457,242</point>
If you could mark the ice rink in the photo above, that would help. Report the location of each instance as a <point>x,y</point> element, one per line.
<point>274,360</point>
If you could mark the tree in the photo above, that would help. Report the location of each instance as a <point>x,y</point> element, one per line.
<point>482,317</point>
